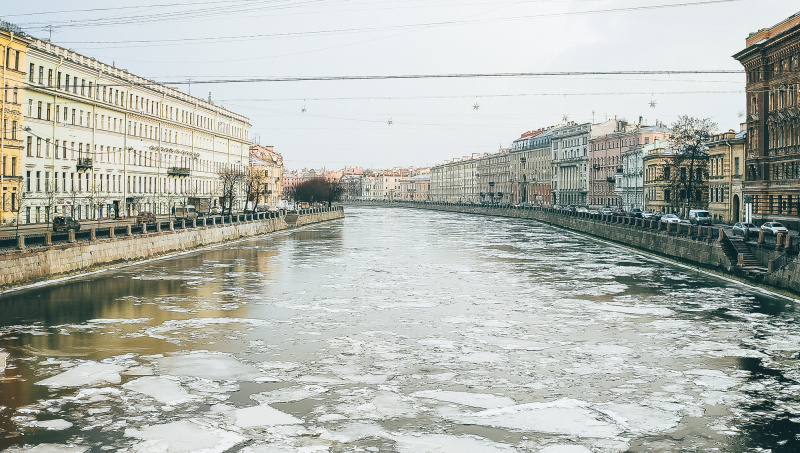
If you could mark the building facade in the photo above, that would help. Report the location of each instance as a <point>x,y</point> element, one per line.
<point>605,161</point>
<point>531,164</point>
<point>493,176</point>
<point>570,172</point>
<point>415,188</point>
<point>102,142</point>
<point>266,171</point>
<point>14,45</point>
<point>630,184</point>
<point>669,177</point>
<point>726,157</point>
<point>771,60</point>
<point>455,181</point>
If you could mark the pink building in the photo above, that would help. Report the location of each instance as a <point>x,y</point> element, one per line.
<point>605,159</point>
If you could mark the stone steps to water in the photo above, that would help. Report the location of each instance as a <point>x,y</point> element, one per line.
<point>750,264</point>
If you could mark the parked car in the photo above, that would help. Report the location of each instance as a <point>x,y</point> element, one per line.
<point>742,228</point>
<point>670,218</point>
<point>145,217</point>
<point>187,212</point>
<point>215,210</point>
<point>606,211</point>
<point>773,228</point>
<point>635,212</point>
<point>699,217</point>
<point>65,224</point>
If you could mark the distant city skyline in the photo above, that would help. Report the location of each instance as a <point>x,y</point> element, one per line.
<point>422,121</point>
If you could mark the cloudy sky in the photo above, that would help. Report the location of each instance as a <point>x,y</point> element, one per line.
<point>250,54</point>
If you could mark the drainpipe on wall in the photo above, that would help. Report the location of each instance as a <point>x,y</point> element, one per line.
<point>3,135</point>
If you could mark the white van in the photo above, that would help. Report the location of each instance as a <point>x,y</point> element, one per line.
<point>699,217</point>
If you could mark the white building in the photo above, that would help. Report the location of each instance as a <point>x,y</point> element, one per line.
<point>100,141</point>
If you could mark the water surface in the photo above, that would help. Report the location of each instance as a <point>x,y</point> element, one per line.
<point>400,330</point>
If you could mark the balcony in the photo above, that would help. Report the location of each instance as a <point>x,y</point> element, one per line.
<point>84,163</point>
<point>178,171</point>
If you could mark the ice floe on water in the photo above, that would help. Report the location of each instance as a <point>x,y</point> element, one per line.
<point>49,448</point>
<point>86,374</point>
<point>442,443</point>
<point>162,389</point>
<point>262,416</point>
<point>208,365</point>
<point>183,436</point>
<point>481,400</point>
<point>564,417</point>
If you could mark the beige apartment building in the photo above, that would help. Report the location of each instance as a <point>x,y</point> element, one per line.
<point>455,181</point>
<point>266,171</point>
<point>531,164</point>
<point>494,177</point>
<point>415,188</point>
<point>669,179</point>
<point>726,157</point>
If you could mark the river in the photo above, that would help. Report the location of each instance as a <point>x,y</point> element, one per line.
<point>401,330</point>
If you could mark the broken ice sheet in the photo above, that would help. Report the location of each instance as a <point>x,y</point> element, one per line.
<point>86,374</point>
<point>162,389</point>
<point>208,365</point>
<point>183,436</point>
<point>49,448</point>
<point>482,400</point>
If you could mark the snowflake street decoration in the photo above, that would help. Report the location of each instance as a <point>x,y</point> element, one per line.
<point>476,106</point>
<point>390,122</point>
<point>653,103</point>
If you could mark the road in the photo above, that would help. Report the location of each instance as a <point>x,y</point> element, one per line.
<point>40,228</point>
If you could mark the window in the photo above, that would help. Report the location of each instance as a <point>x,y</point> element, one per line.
<point>30,147</point>
<point>30,72</point>
<point>49,77</point>
<point>41,75</point>
<point>14,130</point>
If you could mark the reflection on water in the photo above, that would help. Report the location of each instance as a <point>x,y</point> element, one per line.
<point>401,330</point>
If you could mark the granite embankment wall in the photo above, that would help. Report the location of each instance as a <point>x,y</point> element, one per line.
<point>707,247</point>
<point>29,265</point>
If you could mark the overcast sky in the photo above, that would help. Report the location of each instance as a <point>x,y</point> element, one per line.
<point>422,122</point>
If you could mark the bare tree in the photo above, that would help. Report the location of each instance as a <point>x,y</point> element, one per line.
<point>689,162</point>
<point>317,190</point>
<point>230,179</point>
<point>255,186</point>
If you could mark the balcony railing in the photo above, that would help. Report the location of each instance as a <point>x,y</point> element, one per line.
<point>178,171</point>
<point>84,163</point>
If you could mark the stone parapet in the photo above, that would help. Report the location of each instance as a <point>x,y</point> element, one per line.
<point>30,265</point>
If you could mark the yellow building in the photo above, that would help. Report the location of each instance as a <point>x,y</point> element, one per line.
<point>674,183</point>
<point>266,175</point>
<point>726,159</point>
<point>14,45</point>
